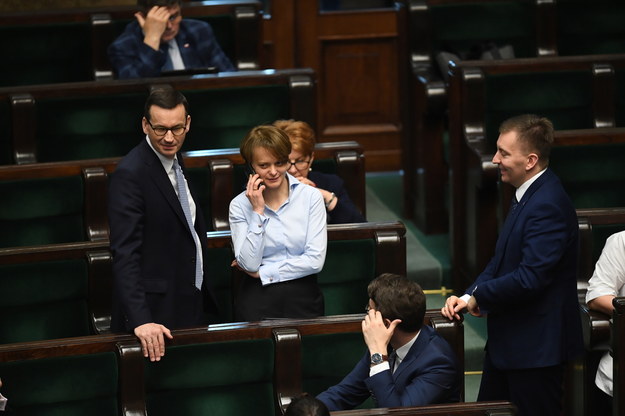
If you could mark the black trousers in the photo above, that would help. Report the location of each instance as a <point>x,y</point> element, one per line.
<point>534,391</point>
<point>299,298</point>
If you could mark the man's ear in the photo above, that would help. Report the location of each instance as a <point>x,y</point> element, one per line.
<point>532,160</point>
<point>387,322</point>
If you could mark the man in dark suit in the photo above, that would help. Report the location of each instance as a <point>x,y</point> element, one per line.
<point>421,368</point>
<point>528,289</point>
<point>157,232</point>
<point>161,40</point>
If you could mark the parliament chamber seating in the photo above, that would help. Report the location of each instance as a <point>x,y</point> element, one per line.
<point>575,93</point>
<point>501,408</point>
<point>96,119</point>
<point>238,368</point>
<point>70,45</point>
<point>64,290</point>
<point>532,28</point>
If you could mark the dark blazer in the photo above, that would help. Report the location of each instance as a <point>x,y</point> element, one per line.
<point>131,58</point>
<point>529,287</point>
<point>345,211</point>
<point>428,374</point>
<point>153,249</point>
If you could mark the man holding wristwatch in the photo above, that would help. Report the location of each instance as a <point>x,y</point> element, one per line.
<point>419,368</point>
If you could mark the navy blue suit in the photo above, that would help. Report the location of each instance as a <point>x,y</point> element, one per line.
<point>153,249</point>
<point>428,374</point>
<point>345,211</point>
<point>131,58</point>
<point>528,289</point>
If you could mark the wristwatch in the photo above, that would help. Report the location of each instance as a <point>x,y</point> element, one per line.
<point>377,358</point>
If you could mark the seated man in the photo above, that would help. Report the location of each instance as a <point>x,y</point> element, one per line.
<point>161,40</point>
<point>607,282</point>
<point>420,369</point>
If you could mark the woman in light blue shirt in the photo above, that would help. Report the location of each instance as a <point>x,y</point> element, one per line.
<point>279,233</point>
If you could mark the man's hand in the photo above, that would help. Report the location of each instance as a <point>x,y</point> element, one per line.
<point>473,307</point>
<point>235,263</point>
<point>453,308</point>
<point>154,25</point>
<point>376,333</point>
<point>152,340</point>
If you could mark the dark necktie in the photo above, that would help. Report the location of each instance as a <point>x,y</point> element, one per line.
<point>186,208</point>
<point>514,205</point>
<point>391,361</point>
<point>169,65</point>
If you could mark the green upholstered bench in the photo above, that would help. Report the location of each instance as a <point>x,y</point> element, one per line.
<point>54,291</point>
<point>576,93</point>
<point>62,122</point>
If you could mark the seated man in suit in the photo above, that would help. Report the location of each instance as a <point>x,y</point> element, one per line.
<point>419,369</point>
<point>161,40</point>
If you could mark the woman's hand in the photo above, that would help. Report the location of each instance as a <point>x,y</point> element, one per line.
<point>254,192</point>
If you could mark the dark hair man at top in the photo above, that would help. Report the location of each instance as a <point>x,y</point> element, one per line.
<point>157,232</point>
<point>528,290</point>
<point>424,368</point>
<point>161,40</point>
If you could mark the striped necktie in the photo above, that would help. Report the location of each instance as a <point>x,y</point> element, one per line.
<point>186,208</point>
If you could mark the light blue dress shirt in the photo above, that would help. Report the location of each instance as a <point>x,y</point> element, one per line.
<point>285,244</point>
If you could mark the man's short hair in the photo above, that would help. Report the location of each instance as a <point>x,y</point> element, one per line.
<point>146,5</point>
<point>165,97</point>
<point>306,405</point>
<point>271,138</point>
<point>534,131</point>
<point>397,297</point>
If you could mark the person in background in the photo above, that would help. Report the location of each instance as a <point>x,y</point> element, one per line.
<point>340,207</point>
<point>157,232</point>
<point>306,405</point>
<point>606,283</point>
<point>278,227</point>
<point>420,368</point>
<point>528,290</point>
<point>161,40</point>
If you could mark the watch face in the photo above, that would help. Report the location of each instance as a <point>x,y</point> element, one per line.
<point>376,358</point>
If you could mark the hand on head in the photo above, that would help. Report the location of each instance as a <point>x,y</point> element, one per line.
<point>378,331</point>
<point>154,24</point>
<point>152,340</point>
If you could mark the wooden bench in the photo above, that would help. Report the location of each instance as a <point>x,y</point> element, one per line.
<point>225,369</point>
<point>85,120</point>
<point>70,45</point>
<point>482,95</point>
<point>499,408</point>
<point>70,285</point>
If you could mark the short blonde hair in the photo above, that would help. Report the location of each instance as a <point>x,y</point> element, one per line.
<point>269,137</point>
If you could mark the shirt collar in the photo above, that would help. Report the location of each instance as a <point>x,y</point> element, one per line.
<point>403,350</point>
<point>520,191</point>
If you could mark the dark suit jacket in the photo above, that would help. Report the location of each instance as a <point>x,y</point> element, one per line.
<point>428,374</point>
<point>529,288</point>
<point>345,211</point>
<point>153,249</point>
<point>131,58</point>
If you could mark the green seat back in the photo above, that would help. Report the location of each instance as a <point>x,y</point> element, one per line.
<point>593,176</point>
<point>43,300</point>
<point>217,379</point>
<point>88,127</point>
<point>328,358</point>
<point>348,269</point>
<point>76,385</point>
<point>459,27</point>
<point>564,97</point>
<point>586,28</point>
<point>46,53</point>
<point>41,211</point>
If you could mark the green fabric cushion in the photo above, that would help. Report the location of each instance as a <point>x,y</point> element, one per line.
<point>348,269</point>
<point>458,27</point>
<point>43,54</point>
<point>43,300</point>
<point>63,386</point>
<point>88,127</point>
<point>220,378</point>
<point>563,96</point>
<point>42,211</point>
<point>586,28</point>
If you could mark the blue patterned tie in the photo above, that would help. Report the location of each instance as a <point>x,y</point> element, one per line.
<point>184,202</point>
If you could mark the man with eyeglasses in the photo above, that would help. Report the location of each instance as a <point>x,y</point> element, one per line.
<point>157,232</point>
<point>161,40</point>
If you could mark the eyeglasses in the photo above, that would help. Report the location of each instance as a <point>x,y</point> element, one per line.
<point>162,131</point>
<point>299,164</point>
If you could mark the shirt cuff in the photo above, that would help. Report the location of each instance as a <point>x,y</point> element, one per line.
<point>376,369</point>
<point>258,224</point>
<point>269,274</point>
<point>465,298</point>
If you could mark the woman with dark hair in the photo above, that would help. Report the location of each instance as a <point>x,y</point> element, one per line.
<point>279,234</point>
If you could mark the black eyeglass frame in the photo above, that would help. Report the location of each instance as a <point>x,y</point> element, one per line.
<point>154,129</point>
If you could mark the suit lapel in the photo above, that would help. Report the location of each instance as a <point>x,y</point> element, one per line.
<point>184,46</point>
<point>415,351</point>
<point>162,182</point>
